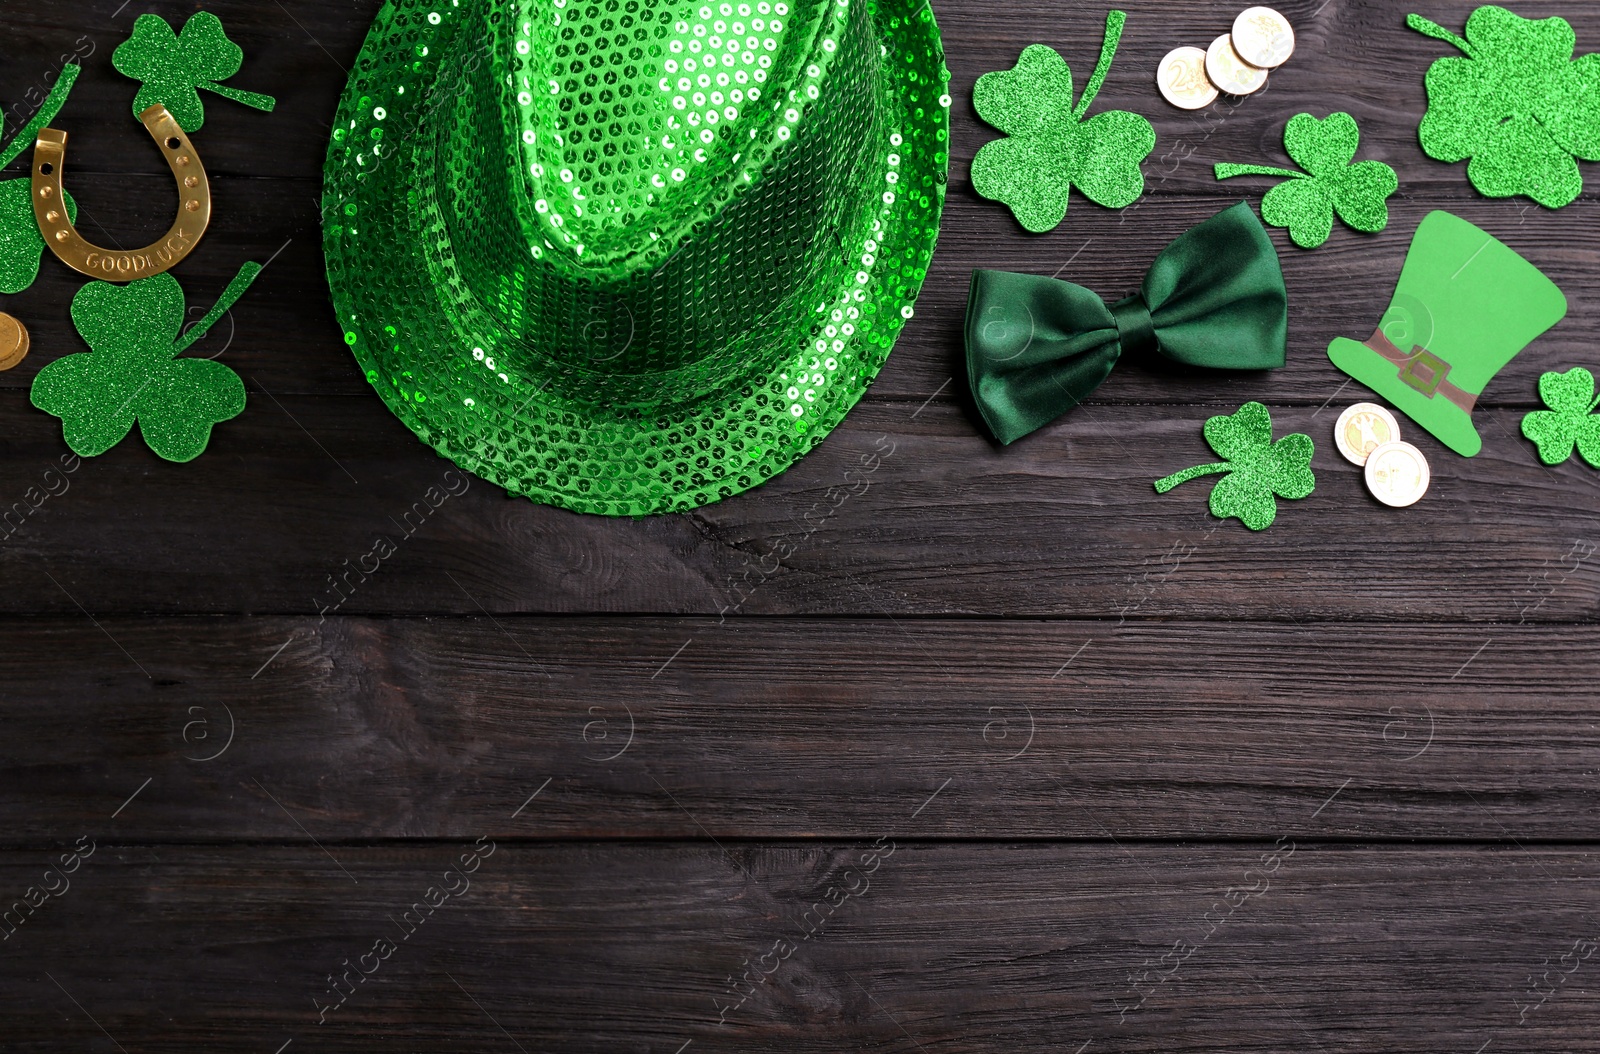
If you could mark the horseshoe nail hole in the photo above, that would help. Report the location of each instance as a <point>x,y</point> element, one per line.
<point>45,192</point>
<point>52,215</point>
<point>174,143</point>
<point>61,236</point>
<point>192,206</point>
<point>191,182</point>
<point>46,169</point>
<point>183,159</point>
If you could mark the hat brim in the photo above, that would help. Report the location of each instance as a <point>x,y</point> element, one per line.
<point>1446,421</point>
<point>443,371</point>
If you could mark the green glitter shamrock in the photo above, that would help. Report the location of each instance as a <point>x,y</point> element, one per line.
<point>21,244</point>
<point>1518,105</point>
<point>1570,421</point>
<point>172,67</point>
<point>1330,184</point>
<point>134,373</point>
<point>1051,147</point>
<point>1259,467</point>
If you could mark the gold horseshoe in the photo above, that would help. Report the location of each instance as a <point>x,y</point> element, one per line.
<point>117,265</point>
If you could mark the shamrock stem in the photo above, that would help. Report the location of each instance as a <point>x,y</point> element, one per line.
<point>1225,171</point>
<point>1438,32</point>
<point>1164,485</point>
<point>1115,20</point>
<point>249,98</point>
<point>235,290</point>
<point>47,113</point>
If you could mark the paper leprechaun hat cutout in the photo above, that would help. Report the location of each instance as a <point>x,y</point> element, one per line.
<point>1465,306</point>
<point>633,256</point>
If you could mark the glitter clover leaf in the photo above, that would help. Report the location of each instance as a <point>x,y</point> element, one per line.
<point>1050,147</point>
<point>134,373</point>
<point>1260,471</point>
<point>1307,201</point>
<point>173,66</point>
<point>21,244</point>
<point>1518,105</point>
<point>1570,422</point>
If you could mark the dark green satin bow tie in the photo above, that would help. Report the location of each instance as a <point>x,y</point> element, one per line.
<point>1036,347</point>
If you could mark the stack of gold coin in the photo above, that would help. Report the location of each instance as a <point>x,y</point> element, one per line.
<point>1397,473</point>
<point>1236,63</point>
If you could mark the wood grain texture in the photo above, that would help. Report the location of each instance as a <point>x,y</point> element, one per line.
<point>283,339</point>
<point>941,948</point>
<point>684,728</point>
<point>1354,56</point>
<point>903,511</point>
<point>1082,713</point>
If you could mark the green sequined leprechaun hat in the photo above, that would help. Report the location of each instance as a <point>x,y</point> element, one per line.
<point>633,256</point>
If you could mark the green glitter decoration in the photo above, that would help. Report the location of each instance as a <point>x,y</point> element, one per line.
<point>134,373</point>
<point>1051,148</point>
<point>21,244</point>
<point>1570,422</point>
<point>1260,471</point>
<point>605,263</point>
<point>173,67</point>
<point>1306,203</point>
<point>1518,105</point>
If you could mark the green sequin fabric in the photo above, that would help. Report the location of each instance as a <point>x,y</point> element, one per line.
<point>630,257</point>
<point>134,373</point>
<point>1333,181</point>
<point>1259,471</point>
<point>1050,148</point>
<point>1516,103</point>
<point>173,66</point>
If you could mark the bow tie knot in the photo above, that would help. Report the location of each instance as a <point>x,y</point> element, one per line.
<point>1136,329</point>
<point>1037,347</point>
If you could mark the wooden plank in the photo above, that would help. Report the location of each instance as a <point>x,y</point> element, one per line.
<point>268,177</point>
<point>1355,55</point>
<point>283,338</point>
<point>941,948</point>
<point>285,729</point>
<point>941,523</point>
<point>1037,679</point>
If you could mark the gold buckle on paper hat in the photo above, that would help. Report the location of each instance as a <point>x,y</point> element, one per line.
<point>1422,371</point>
<point>1425,372</point>
<point>119,265</point>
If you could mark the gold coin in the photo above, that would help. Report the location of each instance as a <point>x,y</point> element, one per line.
<point>1182,79</point>
<point>1362,429</point>
<point>1397,474</point>
<point>13,341</point>
<point>1263,38</point>
<point>1229,72</point>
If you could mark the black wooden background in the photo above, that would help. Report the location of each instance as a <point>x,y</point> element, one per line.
<point>1010,754</point>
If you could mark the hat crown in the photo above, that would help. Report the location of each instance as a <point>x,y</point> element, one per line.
<point>1469,299</point>
<point>636,120</point>
<point>625,292</point>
